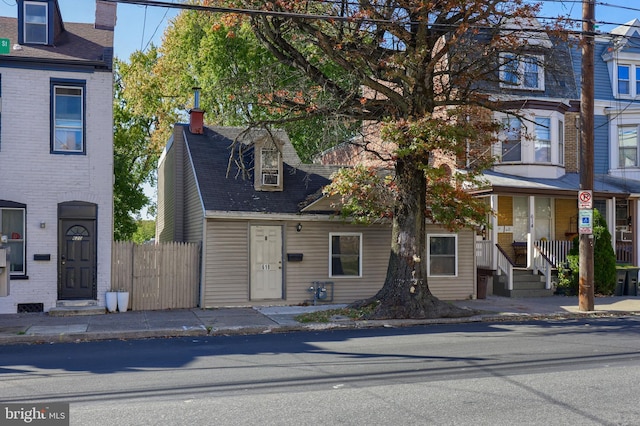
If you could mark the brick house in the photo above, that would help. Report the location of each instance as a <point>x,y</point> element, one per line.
<point>56,156</point>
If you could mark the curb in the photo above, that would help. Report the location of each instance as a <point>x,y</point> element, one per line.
<point>203,331</point>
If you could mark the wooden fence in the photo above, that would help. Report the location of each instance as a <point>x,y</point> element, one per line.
<point>157,276</point>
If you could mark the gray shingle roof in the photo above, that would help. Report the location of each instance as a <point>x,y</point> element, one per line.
<point>81,43</point>
<point>210,153</point>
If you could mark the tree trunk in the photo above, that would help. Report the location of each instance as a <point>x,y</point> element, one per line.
<point>405,293</point>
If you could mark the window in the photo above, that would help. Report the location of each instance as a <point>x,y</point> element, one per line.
<point>35,23</point>
<point>543,140</point>
<point>512,143</point>
<point>270,161</point>
<point>12,225</point>
<point>627,80</point>
<point>442,254</point>
<point>627,146</point>
<point>624,87</point>
<point>345,259</point>
<point>68,118</point>
<point>521,71</point>
<point>561,142</point>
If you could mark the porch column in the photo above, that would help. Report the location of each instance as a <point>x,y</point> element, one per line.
<point>532,231</point>
<point>611,220</point>
<point>493,232</point>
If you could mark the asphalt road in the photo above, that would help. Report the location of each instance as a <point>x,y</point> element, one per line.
<point>537,373</point>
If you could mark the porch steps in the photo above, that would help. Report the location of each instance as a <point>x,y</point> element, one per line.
<point>67,308</point>
<point>525,284</point>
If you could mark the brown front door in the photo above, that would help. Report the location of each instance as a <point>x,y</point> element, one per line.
<point>77,259</point>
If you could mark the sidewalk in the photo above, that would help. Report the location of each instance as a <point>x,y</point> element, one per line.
<point>39,327</point>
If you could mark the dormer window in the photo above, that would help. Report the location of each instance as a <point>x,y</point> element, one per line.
<point>628,80</point>
<point>35,22</point>
<point>270,160</point>
<point>521,71</point>
<point>269,165</point>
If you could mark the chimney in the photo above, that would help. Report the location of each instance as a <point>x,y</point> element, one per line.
<point>196,115</point>
<point>105,15</point>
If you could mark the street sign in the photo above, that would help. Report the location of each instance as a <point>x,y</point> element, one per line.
<point>585,199</point>
<point>585,221</point>
<point>5,46</point>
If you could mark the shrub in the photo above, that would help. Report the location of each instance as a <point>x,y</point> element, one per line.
<point>604,260</point>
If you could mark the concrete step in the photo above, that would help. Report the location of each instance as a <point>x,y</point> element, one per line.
<point>531,292</point>
<point>67,308</point>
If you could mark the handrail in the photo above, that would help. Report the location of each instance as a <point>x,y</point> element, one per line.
<point>541,263</point>
<point>505,264</point>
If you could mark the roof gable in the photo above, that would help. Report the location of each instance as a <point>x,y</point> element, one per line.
<point>226,186</point>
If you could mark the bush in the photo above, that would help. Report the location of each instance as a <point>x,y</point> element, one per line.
<point>604,260</point>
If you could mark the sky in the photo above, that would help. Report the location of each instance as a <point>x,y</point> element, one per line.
<point>138,26</point>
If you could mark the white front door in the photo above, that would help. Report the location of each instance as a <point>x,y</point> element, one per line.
<point>266,262</point>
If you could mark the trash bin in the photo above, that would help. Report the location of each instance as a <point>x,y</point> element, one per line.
<point>631,282</point>
<point>482,286</point>
<point>621,279</point>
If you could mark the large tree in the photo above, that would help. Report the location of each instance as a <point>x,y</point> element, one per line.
<point>135,155</point>
<point>422,69</point>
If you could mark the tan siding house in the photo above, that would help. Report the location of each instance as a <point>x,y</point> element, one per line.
<point>264,240</point>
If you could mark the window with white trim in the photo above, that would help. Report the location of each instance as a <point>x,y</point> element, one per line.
<point>627,146</point>
<point>512,142</point>
<point>35,23</point>
<point>627,80</point>
<point>12,225</point>
<point>543,140</point>
<point>522,71</point>
<point>345,254</point>
<point>68,112</point>
<point>531,137</point>
<point>442,255</point>
<point>270,164</point>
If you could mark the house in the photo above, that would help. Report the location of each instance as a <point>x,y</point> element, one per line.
<point>267,234</point>
<point>56,156</point>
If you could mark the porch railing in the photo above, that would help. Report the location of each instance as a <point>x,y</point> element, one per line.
<point>484,254</point>
<point>541,263</point>
<point>624,252</point>
<point>505,265</point>
<point>555,251</point>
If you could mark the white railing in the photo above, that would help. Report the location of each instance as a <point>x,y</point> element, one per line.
<point>542,263</point>
<point>555,251</point>
<point>484,254</point>
<point>505,266</point>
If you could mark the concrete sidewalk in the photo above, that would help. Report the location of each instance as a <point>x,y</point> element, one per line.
<point>39,327</point>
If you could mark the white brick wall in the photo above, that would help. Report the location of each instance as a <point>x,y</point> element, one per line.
<point>31,175</point>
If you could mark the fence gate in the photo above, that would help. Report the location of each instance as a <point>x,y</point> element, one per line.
<point>157,276</point>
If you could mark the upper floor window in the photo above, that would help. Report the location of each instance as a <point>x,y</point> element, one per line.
<point>627,81</point>
<point>442,255</point>
<point>345,255</point>
<point>35,22</point>
<point>532,137</point>
<point>270,163</point>
<point>543,140</point>
<point>67,118</point>
<point>522,71</point>
<point>512,143</point>
<point>12,225</point>
<point>627,146</point>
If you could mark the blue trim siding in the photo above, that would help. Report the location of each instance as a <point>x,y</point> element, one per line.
<point>601,145</point>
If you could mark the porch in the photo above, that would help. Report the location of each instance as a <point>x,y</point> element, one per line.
<point>521,272</point>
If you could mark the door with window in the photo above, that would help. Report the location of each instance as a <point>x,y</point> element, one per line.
<point>266,262</point>
<point>77,251</point>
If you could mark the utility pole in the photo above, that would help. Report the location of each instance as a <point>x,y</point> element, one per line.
<point>585,291</point>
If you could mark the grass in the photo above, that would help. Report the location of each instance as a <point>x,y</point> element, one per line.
<point>326,315</point>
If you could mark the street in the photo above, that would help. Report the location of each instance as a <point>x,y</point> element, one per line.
<point>565,372</point>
